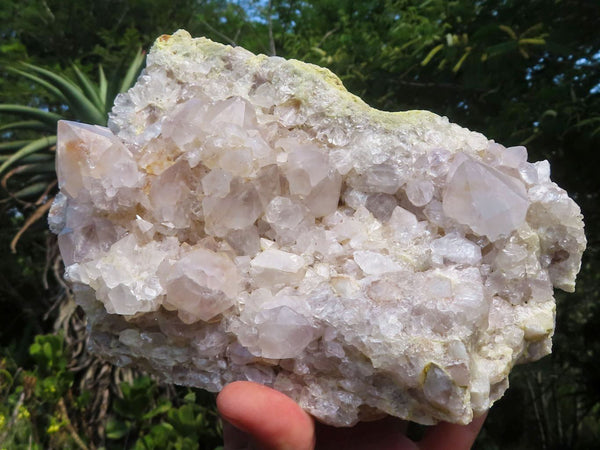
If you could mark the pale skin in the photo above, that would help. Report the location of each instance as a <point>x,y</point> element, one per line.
<point>258,417</point>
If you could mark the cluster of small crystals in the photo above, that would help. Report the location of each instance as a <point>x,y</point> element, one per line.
<point>245,217</point>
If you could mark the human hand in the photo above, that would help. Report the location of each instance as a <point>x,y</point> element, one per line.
<point>258,417</point>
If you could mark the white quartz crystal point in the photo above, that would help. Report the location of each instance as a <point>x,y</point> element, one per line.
<point>201,285</point>
<point>91,158</point>
<point>492,203</point>
<point>244,217</point>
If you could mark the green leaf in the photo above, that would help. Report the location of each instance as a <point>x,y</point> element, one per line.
<point>35,349</point>
<point>137,397</point>
<point>47,351</point>
<point>7,376</point>
<point>31,190</point>
<point>14,46</point>
<point>508,30</point>
<point>190,397</point>
<point>35,146</point>
<point>13,145</point>
<point>161,436</point>
<point>117,429</point>
<point>26,125</point>
<point>584,122</point>
<point>103,87</point>
<point>532,41</point>
<point>460,62</point>
<point>35,113</point>
<point>142,384</point>
<point>504,47</point>
<point>533,29</point>
<point>49,87</point>
<point>36,157</point>
<point>160,409</point>
<point>549,113</point>
<point>132,71</point>
<point>88,88</point>
<point>81,105</point>
<point>186,415</point>
<point>319,51</point>
<point>431,54</point>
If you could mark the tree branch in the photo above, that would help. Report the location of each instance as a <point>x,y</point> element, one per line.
<point>63,410</point>
<point>218,33</point>
<point>326,35</point>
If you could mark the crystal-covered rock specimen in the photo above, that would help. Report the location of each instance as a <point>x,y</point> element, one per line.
<point>246,218</point>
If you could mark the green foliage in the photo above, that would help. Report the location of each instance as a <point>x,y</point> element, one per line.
<point>39,408</point>
<point>151,423</point>
<point>27,154</point>
<point>32,402</point>
<point>53,378</point>
<point>87,31</point>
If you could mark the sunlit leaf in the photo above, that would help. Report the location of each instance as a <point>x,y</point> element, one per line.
<point>532,41</point>
<point>460,62</point>
<point>508,30</point>
<point>88,88</point>
<point>35,146</point>
<point>46,85</point>
<point>33,113</point>
<point>36,157</point>
<point>116,429</point>
<point>102,86</point>
<point>431,54</point>
<point>133,71</point>
<point>83,107</point>
<point>11,146</point>
<point>26,125</point>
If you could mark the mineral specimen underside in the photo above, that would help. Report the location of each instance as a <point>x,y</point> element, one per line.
<point>246,218</point>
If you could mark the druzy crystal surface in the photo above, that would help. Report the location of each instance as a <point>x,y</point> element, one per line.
<point>246,218</point>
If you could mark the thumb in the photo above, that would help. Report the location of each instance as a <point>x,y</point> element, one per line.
<point>274,420</point>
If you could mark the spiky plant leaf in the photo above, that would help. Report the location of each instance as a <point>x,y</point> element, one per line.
<point>25,125</point>
<point>33,147</point>
<point>11,146</point>
<point>31,158</point>
<point>81,105</point>
<point>46,85</point>
<point>46,117</point>
<point>102,86</point>
<point>133,71</point>
<point>91,91</point>
<point>27,164</point>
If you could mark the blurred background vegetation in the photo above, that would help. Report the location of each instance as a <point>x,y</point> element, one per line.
<point>521,72</point>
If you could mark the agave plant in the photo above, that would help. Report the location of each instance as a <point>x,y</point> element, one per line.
<point>27,152</point>
<point>28,185</point>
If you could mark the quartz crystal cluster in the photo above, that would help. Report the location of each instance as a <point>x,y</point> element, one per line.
<point>244,217</point>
